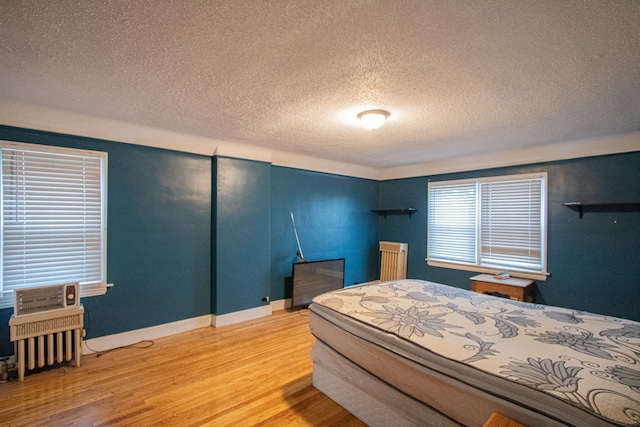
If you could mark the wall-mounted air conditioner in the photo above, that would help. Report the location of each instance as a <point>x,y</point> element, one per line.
<point>45,298</point>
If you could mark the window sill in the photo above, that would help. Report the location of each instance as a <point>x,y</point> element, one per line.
<point>85,291</point>
<point>514,273</point>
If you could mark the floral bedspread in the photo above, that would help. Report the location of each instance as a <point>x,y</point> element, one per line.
<point>588,360</point>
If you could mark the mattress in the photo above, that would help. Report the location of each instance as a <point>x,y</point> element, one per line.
<point>375,402</point>
<point>568,367</point>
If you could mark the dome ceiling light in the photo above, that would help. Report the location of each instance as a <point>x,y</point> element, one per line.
<point>373,119</point>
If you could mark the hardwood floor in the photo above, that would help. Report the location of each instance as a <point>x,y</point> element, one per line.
<point>252,373</point>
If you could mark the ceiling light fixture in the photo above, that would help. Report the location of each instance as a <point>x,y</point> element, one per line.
<point>373,119</point>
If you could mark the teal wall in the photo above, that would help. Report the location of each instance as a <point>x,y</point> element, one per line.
<point>242,234</point>
<point>158,238</point>
<point>334,220</point>
<point>191,235</point>
<point>594,262</point>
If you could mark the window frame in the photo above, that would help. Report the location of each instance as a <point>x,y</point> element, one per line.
<point>86,289</point>
<point>476,265</point>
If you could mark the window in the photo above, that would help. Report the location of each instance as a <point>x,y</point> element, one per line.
<point>489,224</point>
<point>53,218</point>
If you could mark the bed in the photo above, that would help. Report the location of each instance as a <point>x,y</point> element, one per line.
<point>412,352</point>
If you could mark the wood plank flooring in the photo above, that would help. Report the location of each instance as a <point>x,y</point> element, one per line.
<point>255,373</point>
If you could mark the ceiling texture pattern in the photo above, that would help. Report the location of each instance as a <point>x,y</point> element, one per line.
<point>458,77</point>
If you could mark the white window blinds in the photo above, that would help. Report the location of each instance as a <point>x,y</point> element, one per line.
<point>53,216</point>
<point>511,227</point>
<point>452,222</point>
<point>496,223</point>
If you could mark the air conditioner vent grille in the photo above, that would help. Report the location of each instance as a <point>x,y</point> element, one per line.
<point>45,298</point>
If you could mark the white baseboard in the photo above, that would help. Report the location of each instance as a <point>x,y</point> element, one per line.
<point>108,342</point>
<point>131,337</point>
<point>240,316</point>
<point>281,304</point>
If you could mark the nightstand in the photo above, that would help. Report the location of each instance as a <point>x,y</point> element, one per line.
<point>518,289</point>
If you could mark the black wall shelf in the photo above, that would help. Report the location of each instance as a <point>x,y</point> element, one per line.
<point>603,207</point>
<point>385,212</point>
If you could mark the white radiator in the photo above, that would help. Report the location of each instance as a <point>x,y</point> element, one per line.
<point>47,338</point>
<point>393,261</point>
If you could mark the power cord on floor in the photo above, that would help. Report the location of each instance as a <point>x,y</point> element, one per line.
<point>139,344</point>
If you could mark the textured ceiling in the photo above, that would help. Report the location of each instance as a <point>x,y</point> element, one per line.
<point>459,77</point>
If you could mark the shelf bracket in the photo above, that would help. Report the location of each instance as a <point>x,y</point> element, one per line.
<point>603,207</point>
<point>385,212</point>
